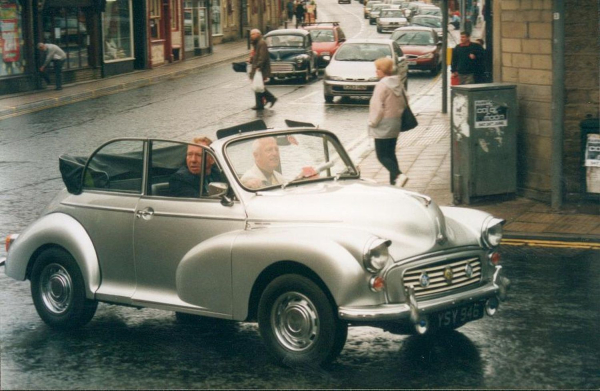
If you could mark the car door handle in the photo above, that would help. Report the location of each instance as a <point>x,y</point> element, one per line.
<point>146,214</point>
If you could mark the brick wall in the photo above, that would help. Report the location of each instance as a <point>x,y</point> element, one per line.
<point>582,81</point>
<point>523,38</point>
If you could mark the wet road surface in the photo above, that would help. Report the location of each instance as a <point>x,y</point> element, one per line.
<point>544,336</point>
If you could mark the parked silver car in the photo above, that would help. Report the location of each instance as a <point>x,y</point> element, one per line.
<point>282,231</point>
<point>351,71</point>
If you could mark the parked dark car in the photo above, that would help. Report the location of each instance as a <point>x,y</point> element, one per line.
<point>291,54</point>
<point>421,46</point>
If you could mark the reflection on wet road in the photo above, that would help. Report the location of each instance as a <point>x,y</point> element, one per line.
<point>545,336</point>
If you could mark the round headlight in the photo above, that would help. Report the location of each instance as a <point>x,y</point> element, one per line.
<point>376,254</point>
<point>492,232</point>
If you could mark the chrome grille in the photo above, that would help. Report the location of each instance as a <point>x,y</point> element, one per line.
<point>281,67</point>
<point>437,282</point>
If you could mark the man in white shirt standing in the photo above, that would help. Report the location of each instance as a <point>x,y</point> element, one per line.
<point>55,55</point>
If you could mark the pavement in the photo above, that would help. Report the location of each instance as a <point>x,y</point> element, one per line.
<point>423,153</point>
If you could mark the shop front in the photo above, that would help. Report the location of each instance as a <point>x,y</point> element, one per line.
<point>164,30</point>
<point>118,37</point>
<point>15,57</point>
<point>197,36</point>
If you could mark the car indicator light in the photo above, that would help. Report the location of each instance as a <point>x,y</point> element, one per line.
<point>495,258</point>
<point>9,241</point>
<point>377,283</point>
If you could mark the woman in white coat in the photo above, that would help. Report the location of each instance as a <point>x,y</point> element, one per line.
<point>385,117</point>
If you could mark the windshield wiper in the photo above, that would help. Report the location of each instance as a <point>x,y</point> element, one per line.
<point>348,171</point>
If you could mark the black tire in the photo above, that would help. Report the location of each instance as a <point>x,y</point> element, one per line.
<point>58,291</point>
<point>378,30</point>
<point>329,98</point>
<point>298,323</point>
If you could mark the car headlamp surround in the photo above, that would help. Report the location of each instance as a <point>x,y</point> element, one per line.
<point>491,232</point>
<point>376,254</point>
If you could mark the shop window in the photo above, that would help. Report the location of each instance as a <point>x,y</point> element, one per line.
<point>155,16</point>
<point>12,61</point>
<point>175,15</point>
<point>67,27</point>
<point>117,30</point>
<point>217,28</point>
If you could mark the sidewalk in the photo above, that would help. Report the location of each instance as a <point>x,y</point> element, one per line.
<point>423,153</point>
<point>424,156</point>
<point>17,104</point>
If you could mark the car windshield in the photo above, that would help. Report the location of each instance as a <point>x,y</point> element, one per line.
<point>280,160</point>
<point>428,22</point>
<point>378,7</point>
<point>392,14</point>
<point>322,35</point>
<point>431,11</point>
<point>362,52</point>
<point>285,40</point>
<point>413,38</point>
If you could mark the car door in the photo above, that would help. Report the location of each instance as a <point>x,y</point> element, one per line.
<point>111,188</point>
<point>172,231</point>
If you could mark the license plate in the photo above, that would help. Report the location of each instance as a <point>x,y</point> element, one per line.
<point>457,316</point>
<point>355,88</point>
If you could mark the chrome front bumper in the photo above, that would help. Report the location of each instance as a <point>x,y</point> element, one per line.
<point>412,310</point>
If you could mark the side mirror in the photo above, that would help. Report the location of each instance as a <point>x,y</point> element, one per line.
<point>217,189</point>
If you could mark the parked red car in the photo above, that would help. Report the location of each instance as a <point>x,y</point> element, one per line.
<point>326,39</point>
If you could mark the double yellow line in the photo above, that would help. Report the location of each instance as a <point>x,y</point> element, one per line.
<point>551,243</point>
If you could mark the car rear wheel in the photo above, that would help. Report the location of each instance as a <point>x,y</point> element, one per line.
<point>329,98</point>
<point>298,323</point>
<point>58,291</point>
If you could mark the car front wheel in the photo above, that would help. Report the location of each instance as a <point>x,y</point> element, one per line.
<point>58,291</point>
<point>298,323</point>
<point>329,98</point>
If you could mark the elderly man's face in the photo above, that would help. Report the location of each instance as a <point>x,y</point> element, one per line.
<point>254,36</point>
<point>267,155</point>
<point>193,160</point>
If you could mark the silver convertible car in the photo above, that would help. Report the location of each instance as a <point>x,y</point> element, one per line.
<point>268,226</point>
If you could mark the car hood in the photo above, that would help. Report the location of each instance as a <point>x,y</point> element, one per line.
<point>324,47</point>
<point>352,69</point>
<point>285,54</point>
<point>413,222</point>
<point>418,49</point>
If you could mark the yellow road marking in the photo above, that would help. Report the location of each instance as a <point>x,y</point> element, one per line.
<point>551,243</point>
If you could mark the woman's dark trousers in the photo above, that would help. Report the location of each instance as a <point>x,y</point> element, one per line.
<point>385,149</point>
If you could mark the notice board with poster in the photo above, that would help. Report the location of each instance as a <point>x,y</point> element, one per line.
<point>592,163</point>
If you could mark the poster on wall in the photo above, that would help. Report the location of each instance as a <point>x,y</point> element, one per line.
<point>9,32</point>
<point>592,163</point>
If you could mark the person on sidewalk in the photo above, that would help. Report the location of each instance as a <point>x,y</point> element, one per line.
<point>55,55</point>
<point>290,9</point>
<point>385,118</point>
<point>479,76</point>
<point>466,58</point>
<point>260,60</point>
<point>300,11</point>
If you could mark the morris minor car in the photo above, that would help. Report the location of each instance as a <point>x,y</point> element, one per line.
<point>278,228</point>
<point>291,54</point>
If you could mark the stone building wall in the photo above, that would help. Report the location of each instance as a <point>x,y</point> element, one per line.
<point>582,82</point>
<point>523,34</point>
<point>524,57</point>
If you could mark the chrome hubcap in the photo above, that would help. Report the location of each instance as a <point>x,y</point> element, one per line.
<point>295,321</point>
<point>56,288</point>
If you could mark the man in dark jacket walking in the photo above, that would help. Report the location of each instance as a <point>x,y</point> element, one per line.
<point>259,60</point>
<point>466,58</point>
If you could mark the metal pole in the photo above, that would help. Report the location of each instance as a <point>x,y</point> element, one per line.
<point>463,14</point>
<point>558,103</point>
<point>444,56</point>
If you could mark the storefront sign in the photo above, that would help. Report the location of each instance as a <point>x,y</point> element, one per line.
<point>490,114</point>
